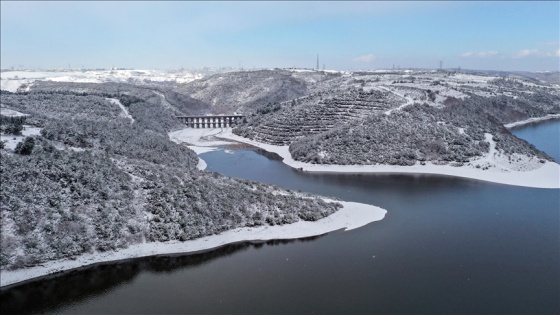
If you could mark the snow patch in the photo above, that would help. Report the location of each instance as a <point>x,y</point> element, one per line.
<point>11,141</point>
<point>409,100</point>
<point>198,136</point>
<point>11,113</point>
<point>199,150</point>
<point>532,120</point>
<point>124,113</point>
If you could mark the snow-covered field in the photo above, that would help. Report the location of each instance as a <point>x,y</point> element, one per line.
<point>12,80</point>
<point>11,141</point>
<point>202,137</point>
<point>521,171</point>
<point>11,113</point>
<point>199,140</point>
<point>351,216</point>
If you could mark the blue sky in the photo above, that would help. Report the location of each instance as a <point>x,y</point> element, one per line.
<point>347,35</point>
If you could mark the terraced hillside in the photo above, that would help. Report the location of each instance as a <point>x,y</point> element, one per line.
<point>314,114</point>
<point>405,119</point>
<point>454,134</point>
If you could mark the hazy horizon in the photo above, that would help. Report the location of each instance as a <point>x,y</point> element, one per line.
<point>502,36</point>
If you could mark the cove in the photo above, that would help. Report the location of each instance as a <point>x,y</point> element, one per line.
<point>446,245</point>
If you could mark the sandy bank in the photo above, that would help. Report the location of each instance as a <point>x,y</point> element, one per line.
<point>351,216</point>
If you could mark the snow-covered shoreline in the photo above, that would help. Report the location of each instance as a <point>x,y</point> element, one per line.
<point>199,150</point>
<point>199,140</point>
<point>532,120</point>
<point>543,175</point>
<point>351,216</point>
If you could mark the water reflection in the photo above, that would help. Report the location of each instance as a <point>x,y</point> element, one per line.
<point>51,292</point>
<point>390,191</point>
<point>47,294</point>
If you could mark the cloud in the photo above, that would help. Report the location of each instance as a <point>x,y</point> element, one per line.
<point>480,54</point>
<point>526,53</point>
<point>552,54</point>
<point>484,54</point>
<point>365,58</point>
<point>541,53</point>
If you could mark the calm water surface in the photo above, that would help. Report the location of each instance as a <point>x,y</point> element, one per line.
<point>544,135</point>
<point>446,245</point>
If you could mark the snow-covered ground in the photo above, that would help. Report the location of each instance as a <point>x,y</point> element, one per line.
<point>199,150</point>
<point>11,141</point>
<point>351,216</point>
<point>125,112</point>
<point>12,80</point>
<point>522,171</point>
<point>409,100</point>
<point>200,140</point>
<point>532,120</point>
<point>11,113</point>
<point>202,137</point>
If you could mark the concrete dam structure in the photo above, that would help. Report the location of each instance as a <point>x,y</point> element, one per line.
<point>211,121</point>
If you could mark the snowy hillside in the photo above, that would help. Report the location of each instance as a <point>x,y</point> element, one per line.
<point>244,92</point>
<point>97,180</point>
<point>315,114</point>
<point>403,118</point>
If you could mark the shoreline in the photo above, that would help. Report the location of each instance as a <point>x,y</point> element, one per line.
<point>546,175</point>
<point>352,215</point>
<point>531,120</point>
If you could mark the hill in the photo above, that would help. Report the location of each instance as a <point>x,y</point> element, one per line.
<point>103,175</point>
<point>405,118</point>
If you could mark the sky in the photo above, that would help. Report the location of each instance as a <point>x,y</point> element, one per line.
<point>504,36</point>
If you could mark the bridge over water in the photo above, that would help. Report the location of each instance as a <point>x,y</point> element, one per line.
<point>211,121</point>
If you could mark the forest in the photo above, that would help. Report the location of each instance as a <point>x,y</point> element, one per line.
<point>94,180</point>
<point>354,126</point>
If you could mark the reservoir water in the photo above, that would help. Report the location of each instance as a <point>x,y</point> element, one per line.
<point>446,246</point>
<point>544,135</point>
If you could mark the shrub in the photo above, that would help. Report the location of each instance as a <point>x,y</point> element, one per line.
<point>13,128</point>
<point>25,147</point>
